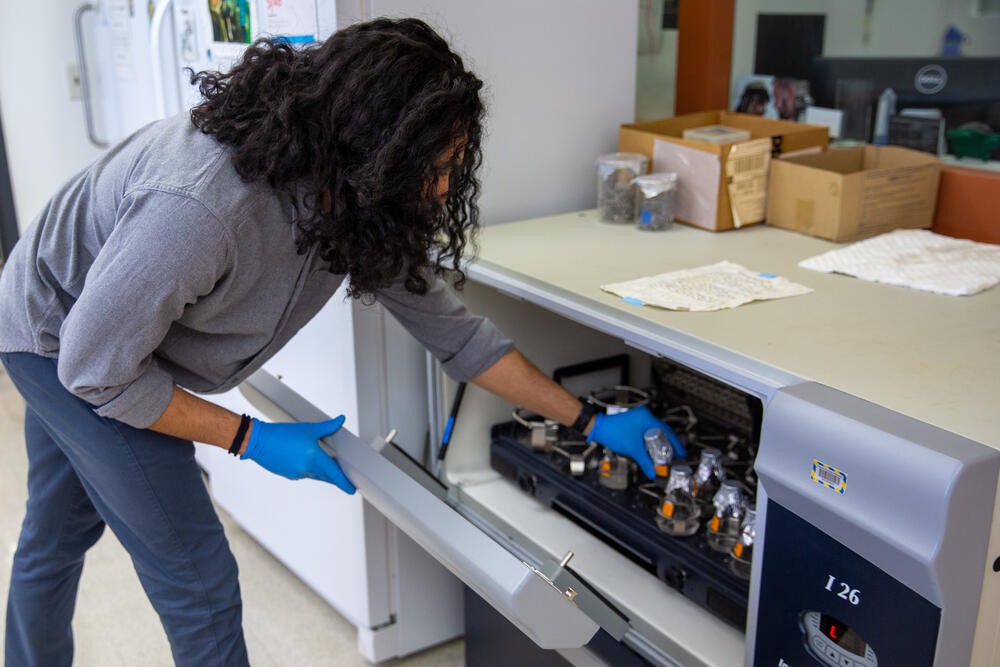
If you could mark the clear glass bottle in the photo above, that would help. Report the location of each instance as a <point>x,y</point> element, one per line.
<point>678,515</point>
<point>742,553</point>
<point>660,451</point>
<point>724,526</point>
<point>707,479</point>
<point>613,472</point>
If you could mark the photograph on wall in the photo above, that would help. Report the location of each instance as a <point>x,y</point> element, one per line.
<point>769,96</point>
<point>231,21</point>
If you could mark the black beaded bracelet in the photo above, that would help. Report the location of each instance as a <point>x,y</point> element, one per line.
<point>234,448</point>
<point>587,412</point>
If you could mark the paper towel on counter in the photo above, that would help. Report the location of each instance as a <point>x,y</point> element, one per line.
<point>916,258</point>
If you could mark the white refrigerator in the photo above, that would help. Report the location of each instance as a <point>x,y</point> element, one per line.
<point>135,59</point>
<point>559,81</point>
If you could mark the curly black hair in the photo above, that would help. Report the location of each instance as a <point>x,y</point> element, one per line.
<point>358,131</point>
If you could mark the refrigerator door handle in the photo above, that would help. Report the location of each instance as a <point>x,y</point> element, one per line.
<point>528,597</point>
<point>155,31</point>
<point>81,64</point>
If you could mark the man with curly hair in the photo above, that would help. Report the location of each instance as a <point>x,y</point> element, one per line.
<point>187,256</point>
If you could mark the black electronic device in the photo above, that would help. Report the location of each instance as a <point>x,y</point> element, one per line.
<point>963,89</point>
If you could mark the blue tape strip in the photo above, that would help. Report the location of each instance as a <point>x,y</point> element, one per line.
<point>298,39</point>
<point>632,301</point>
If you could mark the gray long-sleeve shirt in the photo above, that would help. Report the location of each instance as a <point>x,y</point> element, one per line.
<point>157,265</point>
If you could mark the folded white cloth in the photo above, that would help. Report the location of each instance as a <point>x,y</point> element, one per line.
<point>916,258</point>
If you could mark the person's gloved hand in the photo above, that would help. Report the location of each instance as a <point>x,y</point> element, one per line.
<point>622,433</point>
<point>292,450</point>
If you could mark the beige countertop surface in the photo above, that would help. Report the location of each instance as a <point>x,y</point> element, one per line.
<point>933,357</point>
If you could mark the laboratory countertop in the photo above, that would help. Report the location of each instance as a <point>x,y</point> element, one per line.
<point>933,357</point>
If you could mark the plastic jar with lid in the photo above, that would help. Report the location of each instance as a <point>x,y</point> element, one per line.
<point>615,172</point>
<point>655,198</point>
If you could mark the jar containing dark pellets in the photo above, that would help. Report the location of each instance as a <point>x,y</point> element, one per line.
<point>615,172</point>
<point>655,200</point>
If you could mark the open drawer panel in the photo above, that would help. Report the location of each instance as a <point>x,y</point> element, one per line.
<point>543,605</point>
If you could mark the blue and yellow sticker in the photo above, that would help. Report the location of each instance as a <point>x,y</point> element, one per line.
<point>829,476</point>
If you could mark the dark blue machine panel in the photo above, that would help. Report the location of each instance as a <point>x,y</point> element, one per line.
<point>822,604</point>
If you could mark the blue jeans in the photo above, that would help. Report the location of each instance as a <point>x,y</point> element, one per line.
<point>85,472</point>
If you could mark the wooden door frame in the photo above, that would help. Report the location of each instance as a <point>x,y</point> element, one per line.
<point>704,54</point>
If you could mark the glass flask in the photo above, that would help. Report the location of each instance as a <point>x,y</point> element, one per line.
<point>742,552</point>
<point>707,479</point>
<point>660,450</point>
<point>724,526</point>
<point>613,471</point>
<point>678,515</point>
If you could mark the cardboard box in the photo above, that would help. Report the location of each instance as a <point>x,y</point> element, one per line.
<point>720,186</point>
<point>847,194</point>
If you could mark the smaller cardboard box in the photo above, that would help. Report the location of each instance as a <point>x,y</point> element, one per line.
<point>848,194</point>
<point>720,186</point>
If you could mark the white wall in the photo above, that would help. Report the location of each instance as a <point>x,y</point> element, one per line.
<point>898,27</point>
<point>560,79</point>
<point>44,130</point>
<point>983,32</point>
<point>656,64</point>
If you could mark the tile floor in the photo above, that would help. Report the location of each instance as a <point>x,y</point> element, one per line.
<point>284,621</point>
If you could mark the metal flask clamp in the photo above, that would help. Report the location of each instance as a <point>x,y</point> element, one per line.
<point>614,471</point>
<point>577,460</point>
<point>618,398</point>
<point>707,479</point>
<point>679,514</point>
<point>544,433</point>
<point>742,553</point>
<point>724,527</point>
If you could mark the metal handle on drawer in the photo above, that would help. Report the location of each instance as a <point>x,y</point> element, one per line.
<point>262,403</point>
<point>81,63</point>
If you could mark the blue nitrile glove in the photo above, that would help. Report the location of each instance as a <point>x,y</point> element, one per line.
<point>622,433</point>
<point>292,450</point>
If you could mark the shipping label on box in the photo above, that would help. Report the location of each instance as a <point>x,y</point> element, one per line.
<point>747,167</point>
